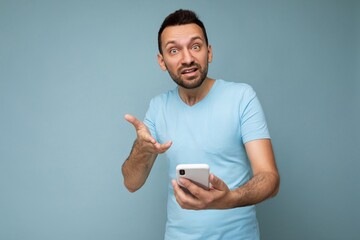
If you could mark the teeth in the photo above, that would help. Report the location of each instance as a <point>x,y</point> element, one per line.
<point>190,70</point>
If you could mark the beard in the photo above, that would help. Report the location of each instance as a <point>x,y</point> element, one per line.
<point>192,82</point>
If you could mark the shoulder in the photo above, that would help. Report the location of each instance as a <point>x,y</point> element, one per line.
<point>164,97</point>
<point>233,85</point>
<point>237,89</point>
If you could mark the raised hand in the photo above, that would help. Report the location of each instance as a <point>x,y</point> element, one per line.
<point>144,139</point>
<point>138,165</point>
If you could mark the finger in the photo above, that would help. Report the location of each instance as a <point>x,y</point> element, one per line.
<point>175,186</point>
<point>194,189</point>
<point>161,148</point>
<point>217,183</point>
<point>134,121</point>
<point>185,200</point>
<point>147,138</point>
<point>177,191</point>
<point>144,135</point>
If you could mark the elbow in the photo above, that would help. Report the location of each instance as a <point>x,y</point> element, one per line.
<point>276,191</point>
<point>130,187</point>
<point>132,190</point>
<point>276,186</point>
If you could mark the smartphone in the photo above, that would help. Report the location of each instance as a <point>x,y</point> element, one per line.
<point>197,173</point>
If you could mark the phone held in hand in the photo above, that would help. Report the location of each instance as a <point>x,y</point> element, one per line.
<point>197,173</point>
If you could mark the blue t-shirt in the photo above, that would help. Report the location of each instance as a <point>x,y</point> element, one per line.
<point>213,131</point>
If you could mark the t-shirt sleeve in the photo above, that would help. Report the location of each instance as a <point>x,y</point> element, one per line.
<point>150,118</point>
<point>252,118</point>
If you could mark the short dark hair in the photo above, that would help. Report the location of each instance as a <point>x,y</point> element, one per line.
<point>181,17</point>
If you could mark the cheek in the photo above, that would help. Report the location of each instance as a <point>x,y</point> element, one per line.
<point>171,65</point>
<point>206,57</point>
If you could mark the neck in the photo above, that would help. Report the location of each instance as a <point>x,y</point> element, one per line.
<point>193,96</point>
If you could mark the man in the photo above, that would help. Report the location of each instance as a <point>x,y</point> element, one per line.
<point>204,121</point>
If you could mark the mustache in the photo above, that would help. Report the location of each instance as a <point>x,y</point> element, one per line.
<point>184,66</point>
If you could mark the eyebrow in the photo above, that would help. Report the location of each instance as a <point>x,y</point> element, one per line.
<point>191,40</point>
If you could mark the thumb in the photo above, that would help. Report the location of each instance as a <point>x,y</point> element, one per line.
<point>217,183</point>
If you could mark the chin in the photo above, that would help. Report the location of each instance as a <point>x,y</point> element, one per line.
<point>191,85</point>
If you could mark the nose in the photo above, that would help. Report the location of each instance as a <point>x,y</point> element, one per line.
<point>187,57</point>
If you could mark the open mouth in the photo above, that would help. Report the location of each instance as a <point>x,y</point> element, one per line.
<point>189,70</point>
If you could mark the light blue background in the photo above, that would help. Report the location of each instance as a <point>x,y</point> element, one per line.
<point>70,70</point>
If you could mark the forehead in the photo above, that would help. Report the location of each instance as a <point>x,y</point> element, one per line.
<point>181,33</point>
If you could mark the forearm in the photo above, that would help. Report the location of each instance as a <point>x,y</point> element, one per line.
<point>137,167</point>
<point>259,188</point>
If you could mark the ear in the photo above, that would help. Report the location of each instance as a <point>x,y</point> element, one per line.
<point>210,54</point>
<point>161,62</point>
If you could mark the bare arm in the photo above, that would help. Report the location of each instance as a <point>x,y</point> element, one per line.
<point>138,165</point>
<point>263,184</point>
<point>265,181</point>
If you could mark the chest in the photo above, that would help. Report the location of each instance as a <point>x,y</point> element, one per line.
<point>214,129</point>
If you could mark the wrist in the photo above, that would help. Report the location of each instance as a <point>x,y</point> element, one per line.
<point>139,152</point>
<point>232,199</point>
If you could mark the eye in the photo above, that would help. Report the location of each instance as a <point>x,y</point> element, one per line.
<point>173,51</point>
<point>196,47</point>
